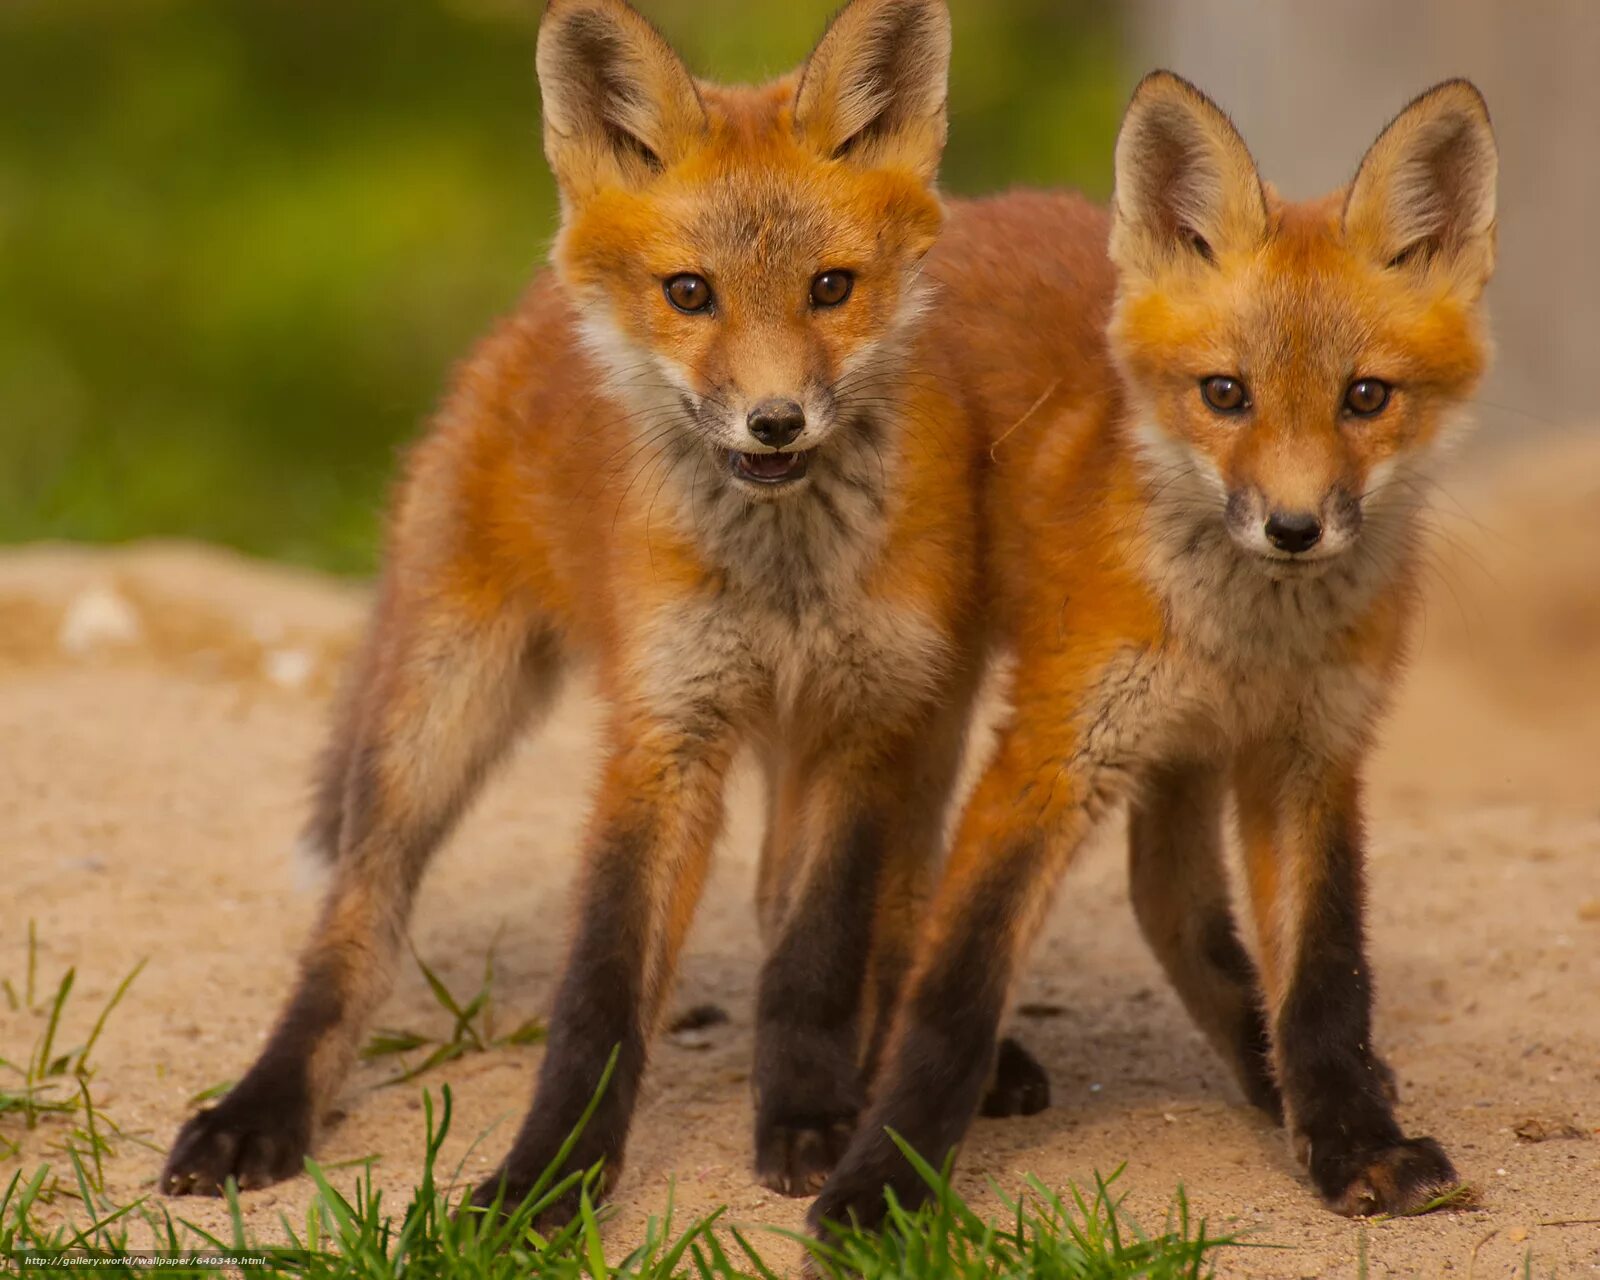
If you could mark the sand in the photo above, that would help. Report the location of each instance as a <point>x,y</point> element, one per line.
<point>159,705</point>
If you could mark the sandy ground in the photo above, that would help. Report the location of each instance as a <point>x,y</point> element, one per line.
<point>158,706</point>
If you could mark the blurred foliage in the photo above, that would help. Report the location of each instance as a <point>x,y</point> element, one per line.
<point>241,241</point>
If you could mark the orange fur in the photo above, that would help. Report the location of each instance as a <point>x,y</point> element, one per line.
<point>1173,622</point>
<point>596,488</point>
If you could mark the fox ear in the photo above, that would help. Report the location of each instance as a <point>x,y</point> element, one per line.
<point>619,105</point>
<point>1186,185</point>
<point>1425,190</point>
<point>874,88</point>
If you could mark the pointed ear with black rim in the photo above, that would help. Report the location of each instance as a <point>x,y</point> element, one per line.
<point>1425,192</point>
<point>619,105</point>
<point>1186,185</point>
<point>874,89</point>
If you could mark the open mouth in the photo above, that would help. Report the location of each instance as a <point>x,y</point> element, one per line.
<point>770,468</point>
<point>1295,567</point>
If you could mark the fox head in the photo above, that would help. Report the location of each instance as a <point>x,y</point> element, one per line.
<point>745,260</point>
<point>1290,366</point>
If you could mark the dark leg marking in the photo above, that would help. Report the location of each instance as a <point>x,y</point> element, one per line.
<point>1019,1087</point>
<point>598,1011</point>
<point>941,1055</point>
<point>808,1017</point>
<point>1336,1088</point>
<point>1246,1037</point>
<point>1179,887</point>
<point>260,1132</point>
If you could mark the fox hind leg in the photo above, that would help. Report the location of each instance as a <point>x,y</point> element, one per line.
<point>921,779</point>
<point>1019,1085</point>
<point>1178,883</point>
<point>856,833</point>
<point>811,994</point>
<point>1015,840</point>
<point>437,696</point>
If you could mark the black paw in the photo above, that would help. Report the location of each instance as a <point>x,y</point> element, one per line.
<point>254,1140</point>
<point>511,1187</point>
<point>529,1164</point>
<point>809,1097</point>
<point>855,1199</point>
<point>1252,1061</point>
<point>1256,1076</point>
<point>1020,1086</point>
<point>855,1194</point>
<point>500,1187</point>
<point>795,1154</point>
<point>1396,1178</point>
<point>509,1190</point>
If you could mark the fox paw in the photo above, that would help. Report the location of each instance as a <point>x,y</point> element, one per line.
<point>1397,1179</point>
<point>795,1154</point>
<point>1020,1086</point>
<point>855,1199</point>
<point>510,1187</point>
<point>256,1142</point>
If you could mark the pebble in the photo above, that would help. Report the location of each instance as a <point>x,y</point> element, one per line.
<point>98,617</point>
<point>288,668</point>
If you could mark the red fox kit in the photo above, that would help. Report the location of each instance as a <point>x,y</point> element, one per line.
<point>701,457</point>
<point>1205,548</point>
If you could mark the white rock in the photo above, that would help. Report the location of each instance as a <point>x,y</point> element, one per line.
<point>98,617</point>
<point>288,668</point>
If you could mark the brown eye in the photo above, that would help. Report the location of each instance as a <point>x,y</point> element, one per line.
<point>688,292</point>
<point>1366,397</point>
<point>831,288</point>
<point>1225,395</point>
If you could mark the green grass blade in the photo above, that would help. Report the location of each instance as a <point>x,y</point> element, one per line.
<point>100,1022</point>
<point>47,1042</point>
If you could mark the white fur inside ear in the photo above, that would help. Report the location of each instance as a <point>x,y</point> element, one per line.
<point>880,77</point>
<point>1173,181</point>
<point>1444,184</point>
<point>1429,182</point>
<point>618,102</point>
<point>898,67</point>
<point>1184,178</point>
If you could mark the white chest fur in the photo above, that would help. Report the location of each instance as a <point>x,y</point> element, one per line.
<point>1252,658</point>
<point>790,626</point>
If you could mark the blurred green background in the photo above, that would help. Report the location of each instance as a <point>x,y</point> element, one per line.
<point>242,241</point>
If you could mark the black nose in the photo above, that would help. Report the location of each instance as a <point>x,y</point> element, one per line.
<point>776,422</point>
<point>1293,531</point>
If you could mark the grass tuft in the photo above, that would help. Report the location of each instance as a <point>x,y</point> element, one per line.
<point>354,1233</point>
<point>472,1027</point>
<point>1461,1196</point>
<point>51,1084</point>
<point>1067,1235</point>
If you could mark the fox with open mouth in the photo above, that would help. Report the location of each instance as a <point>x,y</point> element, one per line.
<point>717,455</point>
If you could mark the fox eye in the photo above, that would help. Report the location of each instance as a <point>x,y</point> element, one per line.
<point>688,292</point>
<point>1366,397</point>
<point>831,288</point>
<point>1224,394</point>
